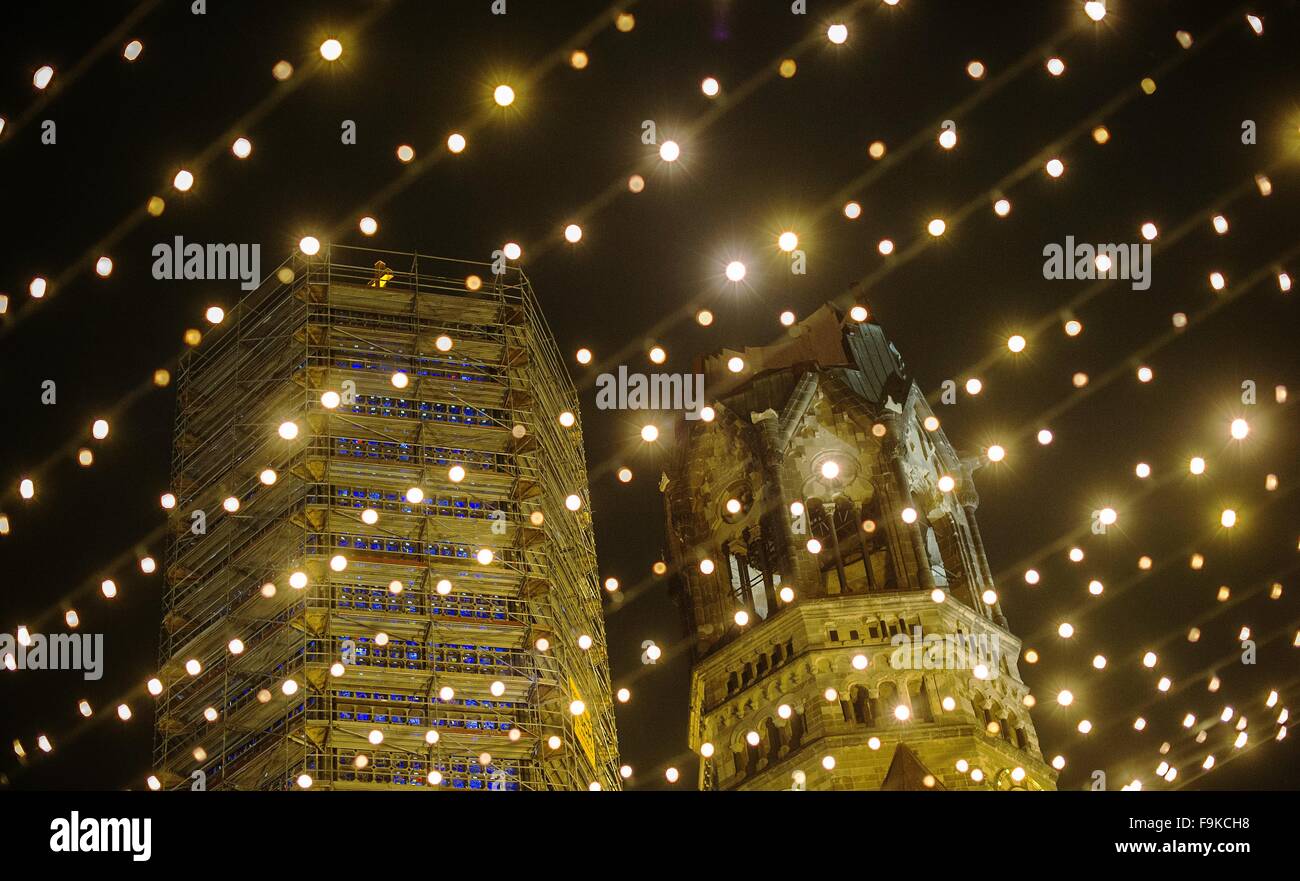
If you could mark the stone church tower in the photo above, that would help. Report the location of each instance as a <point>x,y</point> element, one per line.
<point>847,633</point>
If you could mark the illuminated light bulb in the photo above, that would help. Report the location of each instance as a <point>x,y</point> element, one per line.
<point>298,580</point>
<point>1163,684</point>
<point>443,587</point>
<point>710,87</point>
<point>828,762</point>
<point>104,267</point>
<point>860,662</point>
<point>444,343</point>
<point>331,49</point>
<point>669,151</point>
<point>1220,224</point>
<point>735,364</point>
<point>329,400</point>
<point>1196,465</point>
<point>1032,576</point>
<point>108,588</point>
<point>1108,516</point>
<point>456,142</point>
<point>1076,555</point>
<point>1143,470</point>
<point>405,153</point>
<point>936,227</point>
<point>786,594</point>
<point>71,618</point>
<point>99,430</point>
<point>1073,327</point>
<point>309,245</point>
<point>1256,24</point>
<point>1016,343</point>
<point>1045,436</point>
<point>858,313</point>
<point>1101,134</point>
<point>830,469</point>
<point>231,504</point>
<point>268,589</point>
<point>625,475</point>
<point>735,271</point>
<point>1095,587</point>
<point>338,562</point>
<point>1055,167</point>
<point>572,233</point>
<point>193,667</point>
<point>1228,518</point>
<point>837,33</point>
<point>974,386</point>
<point>1065,631</point>
<point>1095,9</point>
<point>268,477</point>
<point>975,70</point>
<point>733,506</point>
<point>649,434</point>
<point>908,515</point>
<point>996,453</point>
<point>990,596</point>
<point>1264,184</point>
<point>415,495</point>
<point>706,566</point>
<point>1197,561</point>
<point>573,502</point>
<point>512,250</point>
<point>183,181</point>
<point>503,95</point>
<point>876,150</point>
<point>485,556</point>
<point>704,317</point>
<point>902,713</point>
<point>132,50</point>
<point>1084,726</point>
<point>1217,281</point>
<point>852,210</point>
<point>1079,380</point>
<point>1139,723</point>
<point>931,423</point>
<point>814,546</point>
<point>947,140</point>
<point>42,77</point>
<point>787,68</point>
<point>1002,207</point>
<point>578,59</point>
<point>456,473</point>
<point>1239,429</point>
<point>395,587</point>
<point>124,712</point>
<point>1055,66</point>
<point>741,618</point>
<point>148,565</point>
<point>1103,263</point>
<point>886,247</point>
<point>947,483</point>
<point>1099,662</point>
<point>787,241</point>
<point>242,148</point>
<point>657,355</point>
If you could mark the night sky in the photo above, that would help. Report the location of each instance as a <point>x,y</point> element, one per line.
<point>769,154</point>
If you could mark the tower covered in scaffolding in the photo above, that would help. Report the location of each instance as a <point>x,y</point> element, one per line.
<point>845,627</point>
<point>382,571</point>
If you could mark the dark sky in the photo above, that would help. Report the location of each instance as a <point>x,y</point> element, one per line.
<point>772,161</point>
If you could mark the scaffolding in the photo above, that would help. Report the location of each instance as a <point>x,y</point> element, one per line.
<point>367,648</point>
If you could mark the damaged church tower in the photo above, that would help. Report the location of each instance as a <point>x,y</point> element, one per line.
<point>846,630</point>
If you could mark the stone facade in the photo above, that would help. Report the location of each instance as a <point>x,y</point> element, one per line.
<point>834,584</point>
